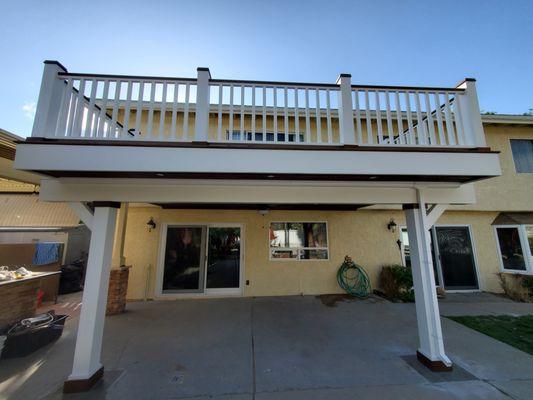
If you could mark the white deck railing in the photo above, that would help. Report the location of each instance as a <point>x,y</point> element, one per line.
<point>113,107</point>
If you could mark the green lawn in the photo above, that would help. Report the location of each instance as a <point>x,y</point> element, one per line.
<point>515,331</point>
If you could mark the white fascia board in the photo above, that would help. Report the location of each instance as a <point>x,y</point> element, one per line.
<point>249,192</point>
<point>37,157</point>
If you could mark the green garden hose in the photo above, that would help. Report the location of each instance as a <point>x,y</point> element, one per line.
<point>354,279</point>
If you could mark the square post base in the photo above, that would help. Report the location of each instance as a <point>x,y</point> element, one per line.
<point>82,385</point>
<point>435,366</point>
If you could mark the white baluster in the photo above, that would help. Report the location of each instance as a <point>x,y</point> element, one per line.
<point>139,108</point>
<point>253,113</point>
<point>186,111</point>
<point>264,119</point>
<point>429,118</point>
<point>438,114</point>
<point>80,109</point>
<point>399,117</point>
<point>286,113</point>
<point>389,117</point>
<point>296,117</point>
<point>163,111</point>
<point>328,117</point>
<point>448,117</point>
<point>307,118</point>
<point>219,118</point>
<point>242,133</point>
<point>103,110</point>
<point>113,131</point>
<point>422,139</point>
<point>230,112</point>
<point>370,136</point>
<point>411,134</point>
<point>174,120</point>
<point>150,123</point>
<point>126,134</point>
<point>317,119</point>
<point>275,109</point>
<point>358,117</point>
<point>378,118</point>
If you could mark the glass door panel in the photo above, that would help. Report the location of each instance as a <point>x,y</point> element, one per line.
<point>184,259</point>
<point>456,257</point>
<point>224,258</point>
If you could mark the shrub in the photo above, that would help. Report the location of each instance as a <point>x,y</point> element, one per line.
<point>518,287</point>
<point>396,281</point>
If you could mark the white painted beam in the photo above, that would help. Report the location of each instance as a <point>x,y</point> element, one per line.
<point>83,212</point>
<point>248,192</point>
<point>434,214</point>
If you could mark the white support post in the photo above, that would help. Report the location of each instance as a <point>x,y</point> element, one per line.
<point>87,368</point>
<point>431,346</point>
<point>49,102</point>
<point>346,125</point>
<point>470,114</point>
<point>201,121</point>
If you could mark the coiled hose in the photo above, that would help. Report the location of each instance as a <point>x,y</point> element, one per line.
<point>353,279</point>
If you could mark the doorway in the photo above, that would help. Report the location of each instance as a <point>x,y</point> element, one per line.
<point>455,256</point>
<point>198,260</point>
<point>452,251</point>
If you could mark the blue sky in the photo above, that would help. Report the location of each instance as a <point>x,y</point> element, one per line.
<point>403,42</point>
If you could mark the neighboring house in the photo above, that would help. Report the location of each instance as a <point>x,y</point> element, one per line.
<point>251,188</point>
<point>25,219</point>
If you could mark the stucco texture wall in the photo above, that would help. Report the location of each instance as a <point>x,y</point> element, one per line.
<point>362,234</point>
<point>510,191</point>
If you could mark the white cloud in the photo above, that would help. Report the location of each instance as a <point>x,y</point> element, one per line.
<point>29,109</point>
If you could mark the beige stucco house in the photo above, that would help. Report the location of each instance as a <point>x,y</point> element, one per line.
<point>210,187</point>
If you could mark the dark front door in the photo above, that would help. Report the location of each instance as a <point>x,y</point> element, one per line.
<point>456,258</point>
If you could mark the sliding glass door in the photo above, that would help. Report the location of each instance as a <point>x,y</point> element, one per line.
<point>202,259</point>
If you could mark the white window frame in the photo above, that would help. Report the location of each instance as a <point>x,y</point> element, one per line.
<point>526,251</point>
<point>298,248</point>
<point>159,293</point>
<point>512,155</point>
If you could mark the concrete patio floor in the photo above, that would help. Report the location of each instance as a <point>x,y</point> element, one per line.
<point>281,348</point>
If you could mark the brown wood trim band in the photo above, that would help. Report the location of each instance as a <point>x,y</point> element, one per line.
<point>257,206</point>
<point>111,204</point>
<point>256,146</point>
<point>82,385</point>
<point>435,366</point>
<point>262,176</point>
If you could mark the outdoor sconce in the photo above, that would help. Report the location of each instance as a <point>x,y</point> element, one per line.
<point>151,224</point>
<point>391,226</point>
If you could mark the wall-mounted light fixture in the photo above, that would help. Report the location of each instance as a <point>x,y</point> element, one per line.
<point>391,226</point>
<point>151,224</point>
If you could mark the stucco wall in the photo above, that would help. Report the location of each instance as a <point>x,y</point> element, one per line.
<point>362,234</point>
<point>510,191</point>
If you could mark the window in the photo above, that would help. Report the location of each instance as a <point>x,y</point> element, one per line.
<point>523,155</point>
<point>298,241</point>
<point>515,244</point>
<point>261,137</point>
